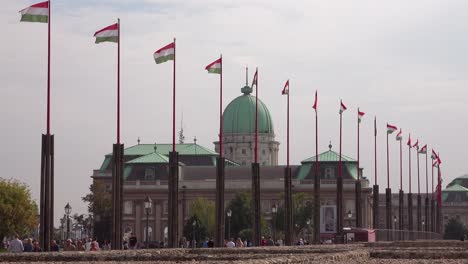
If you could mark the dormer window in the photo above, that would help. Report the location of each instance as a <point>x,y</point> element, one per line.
<point>149,174</point>
<point>329,173</point>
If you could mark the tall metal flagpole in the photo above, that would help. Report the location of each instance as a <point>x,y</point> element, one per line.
<point>256,176</point>
<point>432,199</point>
<point>375,192</point>
<point>426,201</point>
<point>220,173</point>
<point>316,180</point>
<point>117,168</point>
<point>47,163</point>
<point>288,181</point>
<point>418,208</point>
<point>173,185</point>
<point>401,193</point>
<point>410,195</point>
<point>339,191</point>
<point>388,193</point>
<point>357,188</point>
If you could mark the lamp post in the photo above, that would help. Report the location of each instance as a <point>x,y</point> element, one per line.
<point>229,214</point>
<point>148,203</point>
<point>308,230</point>
<point>394,226</point>
<point>274,210</point>
<point>193,233</point>
<point>62,222</point>
<point>423,223</point>
<point>350,215</point>
<point>68,209</point>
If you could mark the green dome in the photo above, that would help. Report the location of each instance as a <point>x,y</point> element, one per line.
<point>239,115</point>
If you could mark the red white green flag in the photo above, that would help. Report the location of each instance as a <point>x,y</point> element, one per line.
<point>399,136</point>
<point>255,79</point>
<point>391,129</point>
<point>416,145</point>
<point>409,141</point>
<point>360,115</point>
<point>423,150</point>
<point>342,107</point>
<point>215,67</point>
<point>108,34</point>
<point>286,88</point>
<point>165,53</point>
<point>36,13</point>
<point>433,155</point>
<point>315,102</point>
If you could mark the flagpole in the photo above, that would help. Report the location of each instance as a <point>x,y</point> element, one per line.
<point>388,166</point>
<point>221,109</point>
<point>174,97</point>
<point>118,81</point>
<point>410,195</point>
<point>358,181</point>
<point>48,71</point>
<point>401,165</point>
<point>401,197</point>
<point>287,159</point>
<point>316,181</point>
<point>339,191</point>
<point>375,150</point>
<point>375,191</point>
<point>358,147</point>
<point>426,200</point>
<point>417,161</point>
<point>256,118</point>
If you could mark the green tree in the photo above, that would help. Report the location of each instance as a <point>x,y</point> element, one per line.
<point>100,205</point>
<point>199,230</point>
<point>18,212</point>
<point>454,229</point>
<point>302,213</point>
<point>204,211</point>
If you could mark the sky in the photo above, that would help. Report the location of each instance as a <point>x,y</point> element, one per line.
<point>401,61</point>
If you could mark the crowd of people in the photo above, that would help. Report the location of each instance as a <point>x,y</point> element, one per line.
<point>16,245</point>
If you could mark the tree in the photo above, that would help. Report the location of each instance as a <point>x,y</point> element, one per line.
<point>454,229</point>
<point>18,212</point>
<point>302,213</point>
<point>204,211</point>
<point>242,217</point>
<point>199,230</point>
<point>100,205</point>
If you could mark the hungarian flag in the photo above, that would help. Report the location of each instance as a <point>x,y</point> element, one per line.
<point>399,136</point>
<point>409,141</point>
<point>423,150</point>
<point>360,115</point>
<point>255,79</point>
<point>108,34</point>
<point>433,155</point>
<point>391,129</point>
<point>36,13</point>
<point>416,144</point>
<point>165,53</point>
<point>215,66</point>
<point>342,107</point>
<point>315,102</point>
<point>286,88</point>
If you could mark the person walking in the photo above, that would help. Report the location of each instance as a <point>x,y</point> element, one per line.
<point>69,246</point>
<point>27,245</point>
<point>16,246</point>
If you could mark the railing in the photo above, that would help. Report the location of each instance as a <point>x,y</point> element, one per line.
<point>398,235</point>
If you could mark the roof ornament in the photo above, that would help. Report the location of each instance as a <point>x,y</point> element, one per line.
<point>138,140</point>
<point>246,90</point>
<point>330,146</point>
<point>155,147</point>
<point>195,140</point>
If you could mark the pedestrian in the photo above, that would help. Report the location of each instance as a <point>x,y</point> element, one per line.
<point>16,246</point>
<point>239,242</point>
<point>125,245</point>
<point>106,245</point>
<point>230,244</point>
<point>79,245</point>
<point>36,247</point>
<point>69,245</point>
<point>54,246</point>
<point>132,241</point>
<point>94,246</point>
<point>88,244</point>
<point>211,243</point>
<point>27,245</point>
<point>270,242</point>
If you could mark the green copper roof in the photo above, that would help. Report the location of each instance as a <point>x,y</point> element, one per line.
<point>455,188</point>
<point>239,115</point>
<point>164,149</point>
<point>329,155</point>
<point>154,157</point>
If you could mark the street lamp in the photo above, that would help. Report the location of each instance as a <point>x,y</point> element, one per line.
<point>229,214</point>
<point>68,209</point>
<point>394,222</point>
<point>350,214</point>
<point>193,233</point>
<point>308,230</point>
<point>148,203</point>
<point>274,210</point>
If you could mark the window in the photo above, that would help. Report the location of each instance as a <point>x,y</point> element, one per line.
<point>243,151</point>
<point>128,207</point>
<point>150,174</point>
<point>329,173</point>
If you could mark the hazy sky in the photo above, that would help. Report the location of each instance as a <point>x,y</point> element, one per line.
<point>403,61</point>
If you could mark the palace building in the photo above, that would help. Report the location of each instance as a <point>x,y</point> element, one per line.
<point>146,174</point>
